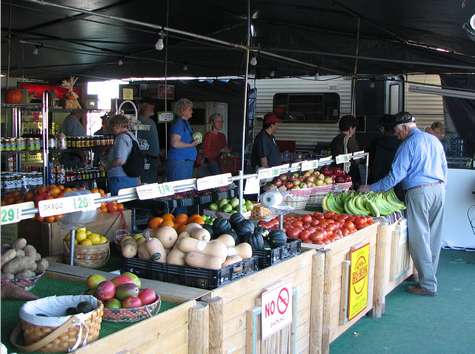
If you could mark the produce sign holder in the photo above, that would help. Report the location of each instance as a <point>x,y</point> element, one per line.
<point>190,276</point>
<point>269,257</point>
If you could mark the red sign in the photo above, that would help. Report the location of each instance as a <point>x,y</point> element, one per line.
<point>276,309</point>
<point>36,90</point>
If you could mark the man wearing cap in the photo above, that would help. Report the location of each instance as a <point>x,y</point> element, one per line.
<point>265,152</point>
<point>421,167</point>
<point>148,140</point>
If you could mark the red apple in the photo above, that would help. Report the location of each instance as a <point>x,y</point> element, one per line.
<point>122,279</point>
<point>147,296</point>
<point>131,301</point>
<point>283,178</point>
<point>105,290</point>
<point>289,185</point>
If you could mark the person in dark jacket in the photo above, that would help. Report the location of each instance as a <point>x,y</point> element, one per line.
<point>381,153</point>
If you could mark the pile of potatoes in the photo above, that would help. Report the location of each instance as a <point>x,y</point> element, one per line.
<point>192,247</point>
<point>21,261</point>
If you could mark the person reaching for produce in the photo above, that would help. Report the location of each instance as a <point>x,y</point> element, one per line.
<point>265,152</point>
<point>182,152</point>
<point>421,167</point>
<point>214,144</point>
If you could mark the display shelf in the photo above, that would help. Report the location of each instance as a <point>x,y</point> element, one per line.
<point>26,106</point>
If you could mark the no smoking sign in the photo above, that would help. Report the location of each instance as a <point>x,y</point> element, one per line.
<point>276,309</point>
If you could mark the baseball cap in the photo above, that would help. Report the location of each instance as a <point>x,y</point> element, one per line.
<point>271,118</point>
<point>403,117</point>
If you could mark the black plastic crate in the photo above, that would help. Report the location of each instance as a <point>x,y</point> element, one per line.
<point>190,276</point>
<point>270,257</point>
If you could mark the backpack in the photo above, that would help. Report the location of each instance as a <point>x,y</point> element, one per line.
<point>134,166</point>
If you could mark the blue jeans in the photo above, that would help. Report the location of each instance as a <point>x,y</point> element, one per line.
<point>179,169</point>
<point>116,183</point>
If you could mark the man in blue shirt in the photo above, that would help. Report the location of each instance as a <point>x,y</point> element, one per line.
<point>421,167</point>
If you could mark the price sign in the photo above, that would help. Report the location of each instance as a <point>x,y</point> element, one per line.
<point>11,214</point>
<point>213,181</point>
<point>358,155</point>
<point>359,275</point>
<point>296,166</point>
<point>67,205</point>
<point>276,309</point>
<point>155,190</point>
<point>165,117</point>
<point>252,186</point>
<point>344,158</point>
<point>282,169</point>
<point>309,165</point>
<point>325,161</point>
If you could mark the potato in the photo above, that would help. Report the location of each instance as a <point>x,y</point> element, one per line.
<point>30,251</point>
<point>19,264</point>
<point>42,265</point>
<point>8,256</point>
<point>26,274</point>
<point>19,244</point>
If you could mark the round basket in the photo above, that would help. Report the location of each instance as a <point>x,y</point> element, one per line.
<point>132,314</point>
<point>94,256</point>
<point>57,333</point>
<point>26,284</point>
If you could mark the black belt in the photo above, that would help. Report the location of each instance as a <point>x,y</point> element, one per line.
<point>424,186</point>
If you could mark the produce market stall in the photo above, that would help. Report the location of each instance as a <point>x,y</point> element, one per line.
<point>172,330</point>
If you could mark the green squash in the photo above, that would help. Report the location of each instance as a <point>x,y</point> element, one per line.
<point>221,226</point>
<point>277,238</point>
<point>245,228</point>
<point>256,241</point>
<point>235,219</point>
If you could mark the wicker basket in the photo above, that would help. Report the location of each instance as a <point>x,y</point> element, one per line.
<point>75,332</point>
<point>94,256</point>
<point>132,314</point>
<point>26,284</point>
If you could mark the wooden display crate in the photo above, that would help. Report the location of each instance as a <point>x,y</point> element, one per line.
<point>230,310</point>
<point>179,330</point>
<point>331,285</point>
<point>393,262</point>
<point>48,238</point>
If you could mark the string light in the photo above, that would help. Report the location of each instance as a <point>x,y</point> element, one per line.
<point>253,61</point>
<point>160,44</point>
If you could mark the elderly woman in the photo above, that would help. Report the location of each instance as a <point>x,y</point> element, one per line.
<point>214,144</point>
<point>118,154</point>
<point>182,151</point>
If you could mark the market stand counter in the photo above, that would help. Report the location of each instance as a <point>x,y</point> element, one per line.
<point>231,306</point>
<point>172,330</point>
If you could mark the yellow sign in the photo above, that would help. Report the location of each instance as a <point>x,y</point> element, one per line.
<point>359,276</point>
<point>127,93</point>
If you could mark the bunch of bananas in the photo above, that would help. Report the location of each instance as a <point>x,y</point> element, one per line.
<point>363,204</point>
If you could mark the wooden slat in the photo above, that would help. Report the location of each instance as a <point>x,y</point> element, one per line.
<point>198,329</point>
<point>216,337</point>
<point>316,310</point>
<point>168,291</point>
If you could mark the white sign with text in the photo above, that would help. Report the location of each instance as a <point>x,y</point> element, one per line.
<point>276,309</point>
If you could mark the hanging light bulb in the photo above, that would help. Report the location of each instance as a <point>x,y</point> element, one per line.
<point>120,62</point>
<point>253,61</point>
<point>272,73</point>
<point>185,67</point>
<point>317,76</point>
<point>36,51</point>
<point>160,45</point>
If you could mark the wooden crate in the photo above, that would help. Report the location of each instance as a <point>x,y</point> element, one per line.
<point>48,238</point>
<point>230,310</point>
<point>180,330</point>
<point>393,262</point>
<point>330,291</point>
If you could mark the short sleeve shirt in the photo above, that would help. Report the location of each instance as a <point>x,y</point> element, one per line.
<point>120,151</point>
<point>151,136</point>
<point>72,126</point>
<point>182,128</point>
<point>265,146</point>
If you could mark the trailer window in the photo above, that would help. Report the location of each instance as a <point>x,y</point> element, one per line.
<point>307,107</point>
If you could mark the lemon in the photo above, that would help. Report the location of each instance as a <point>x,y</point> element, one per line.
<point>104,239</point>
<point>88,232</point>
<point>81,229</point>
<point>81,236</point>
<point>95,239</point>
<point>86,242</point>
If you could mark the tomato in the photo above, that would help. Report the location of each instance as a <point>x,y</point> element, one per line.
<point>297,224</point>
<point>349,225</point>
<point>307,225</point>
<point>360,223</point>
<point>292,233</point>
<point>338,234</point>
<point>304,235</point>
<point>345,231</point>
<point>311,230</point>
<point>330,221</point>
<point>341,217</point>
<point>315,222</point>
<point>329,215</point>
<point>317,214</point>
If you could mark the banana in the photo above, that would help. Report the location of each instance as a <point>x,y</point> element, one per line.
<point>360,205</point>
<point>373,209</point>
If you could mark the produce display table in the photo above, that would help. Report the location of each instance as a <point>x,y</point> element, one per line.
<point>393,261</point>
<point>335,314</point>
<point>179,321</point>
<point>231,306</point>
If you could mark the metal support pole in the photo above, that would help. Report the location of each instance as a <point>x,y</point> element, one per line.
<point>355,70</point>
<point>72,246</point>
<point>241,190</point>
<point>45,136</point>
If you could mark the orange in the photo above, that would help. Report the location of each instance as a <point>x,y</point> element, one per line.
<point>168,217</point>
<point>67,189</point>
<point>180,228</point>
<point>39,218</point>
<point>181,219</point>
<point>168,223</point>
<point>120,206</point>
<point>103,209</point>
<point>111,207</point>
<point>50,219</point>
<point>155,222</point>
<point>61,187</point>
<point>55,191</point>
<point>196,219</point>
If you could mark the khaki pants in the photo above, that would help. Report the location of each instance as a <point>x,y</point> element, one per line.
<point>425,209</point>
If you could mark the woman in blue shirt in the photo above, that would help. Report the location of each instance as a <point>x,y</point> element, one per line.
<point>182,152</point>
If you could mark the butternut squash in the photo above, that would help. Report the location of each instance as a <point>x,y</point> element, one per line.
<point>200,260</point>
<point>176,257</point>
<point>167,236</point>
<point>156,250</point>
<point>192,226</point>
<point>201,234</point>
<point>231,260</point>
<point>142,251</point>
<point>228,240</point>
<point>129,248</point>
<point>213,248</point>
<point>183,234</point>
<point>244,250</point>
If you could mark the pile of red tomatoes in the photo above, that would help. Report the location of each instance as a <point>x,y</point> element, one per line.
<point>320,228</point>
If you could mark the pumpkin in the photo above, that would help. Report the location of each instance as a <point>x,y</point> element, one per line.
<point>245,228</point>
<point>221,226</point>
<point>259,230</point>
<point>277,238</point>
<point>14,96</point>
<point>209,228</point>
<point>256,241</point>
<point>235,219</point>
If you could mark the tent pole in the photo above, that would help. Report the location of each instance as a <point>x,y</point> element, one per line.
<point>244,114</point>
<point>355,71</point>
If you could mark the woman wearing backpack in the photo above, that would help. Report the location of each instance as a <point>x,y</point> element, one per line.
<point>120,173</point>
